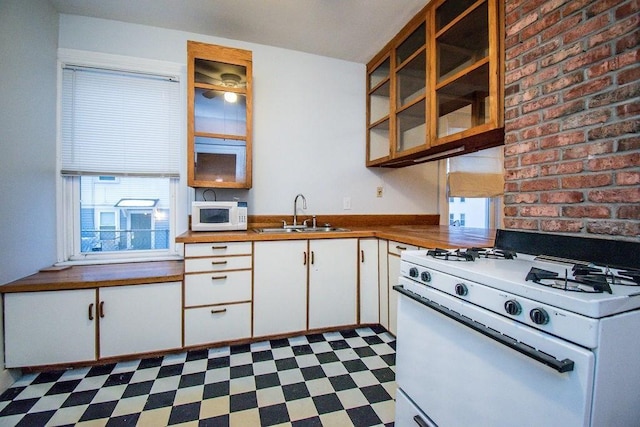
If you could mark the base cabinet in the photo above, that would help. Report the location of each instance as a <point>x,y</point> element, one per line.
<point>280,287</point>
<point>140,318</point>
<point>333,276</point>
<point>368,281</point>
<point>395,250</point>
<point>47,328</point>
<point>219,323</point>
<point>57,327</point>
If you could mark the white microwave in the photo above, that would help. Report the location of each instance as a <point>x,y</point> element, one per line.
<point>218,216</point>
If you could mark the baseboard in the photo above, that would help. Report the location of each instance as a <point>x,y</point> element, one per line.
<point>8,377</point>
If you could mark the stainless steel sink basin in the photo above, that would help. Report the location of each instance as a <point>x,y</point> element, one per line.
<point>301,230</point>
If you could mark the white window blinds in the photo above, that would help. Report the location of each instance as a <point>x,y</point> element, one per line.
<point>118,123</point>
<point>479,174</point>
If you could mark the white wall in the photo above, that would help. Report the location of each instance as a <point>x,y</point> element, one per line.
<point>28,41</point>
<point>309,124</point>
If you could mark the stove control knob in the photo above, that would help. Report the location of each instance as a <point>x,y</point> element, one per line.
<point>513,307</point>
<point>425,276</point>
<point>413,272</point>
<point>461,289</point>
<point>539,316</point>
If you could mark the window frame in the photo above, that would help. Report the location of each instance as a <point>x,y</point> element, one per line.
<point>68,187</point>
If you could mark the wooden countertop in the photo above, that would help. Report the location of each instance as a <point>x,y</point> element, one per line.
<point>91,276</point>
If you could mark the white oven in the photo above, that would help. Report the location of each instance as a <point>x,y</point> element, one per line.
<point>457,360</point>
<point>481,341</point>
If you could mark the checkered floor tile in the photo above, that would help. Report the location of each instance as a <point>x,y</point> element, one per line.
<point>333,379</point>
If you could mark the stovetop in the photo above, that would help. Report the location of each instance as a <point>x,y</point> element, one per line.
<point>508,271</point>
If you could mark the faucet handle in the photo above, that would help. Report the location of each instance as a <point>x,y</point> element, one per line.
<point>284,223</point>
<point>315,224</point>
<point>305,222</point>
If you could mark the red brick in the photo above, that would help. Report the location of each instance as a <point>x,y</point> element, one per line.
<point>558,29</point>
<point>614,63</point>
<point>511,41</point>
<point>628,75</point>
<point>523,147</point>
<point>628,178</point>
<point>544,75</point>
<point>587,181</point>
<point>564,109</point>
<point>592,86</point>
<point>589,57</point>
<point>580,31</point>
<point>566,80</point>
<point>539,185</point>
<point>620,94</point>
<point>523,96</point>
<point>531,5</point>
<point>541,50</point>
<point>618,195</point>
<point>628,110</point>
<point>586,150</point>
<point>562,197</point>
<point>564,168</point>
<point>575,5</point>
<point>510,211</point>
<point>586,211</point>
<point>523,122</point>
<point>629,144</point>
<point>511,138</point>
<point>540,157</point>
<point>627,42</point>
<point>511,187</point>
<point>522,173</point>
<point>629,212</point>
<point>511,114</point>
<point>542,130</point>
<point>540,103</point>
<point>515,75</point>
<point>520,48</point>
<point>548,20</point>
<point>588,118</point>
<point>519,198</point>
<point>629,9</point>
<point>619,29</point>
<point>614,130</point>
<point>562,54</point>
<point>521,224</point>
<point>551,5</point>
<point>568,138</point>
<point>559,225</point>
<point>525,21</point>
<point>614,228</point>
<point>614,162</point>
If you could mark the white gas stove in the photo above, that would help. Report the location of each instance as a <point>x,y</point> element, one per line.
<point>518,338</point>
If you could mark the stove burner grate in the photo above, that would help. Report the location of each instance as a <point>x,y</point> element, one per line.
<point>585,280</point>
<point>470,254</point>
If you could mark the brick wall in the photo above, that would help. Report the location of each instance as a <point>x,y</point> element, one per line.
<point>572,117</point>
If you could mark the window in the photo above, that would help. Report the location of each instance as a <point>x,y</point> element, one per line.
<point>121,140</point>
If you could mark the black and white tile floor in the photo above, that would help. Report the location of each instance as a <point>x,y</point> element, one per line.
<point>334,379</point>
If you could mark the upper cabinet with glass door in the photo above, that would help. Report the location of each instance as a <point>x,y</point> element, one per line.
<point>219,116</point>
<point>445,84</point>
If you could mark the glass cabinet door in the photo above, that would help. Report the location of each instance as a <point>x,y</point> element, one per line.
<point>379,103</point>
<point>462,66</point>
<point>410,81</point>
<point>219,119</point>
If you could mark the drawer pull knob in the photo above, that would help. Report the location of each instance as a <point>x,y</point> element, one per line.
<point>101,309</point>
<point>218,262</point>
<point>218,311</point>
<point>218,277</point>
<point>401,248</point>
<point>361,256</point>
<point>215,248</point>
<point>91,311</point>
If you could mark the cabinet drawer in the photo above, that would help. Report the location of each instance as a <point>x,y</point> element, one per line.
<point>217,288</point>
<point>397,248</point>
<point>217,249</point>
<point>215,324</point>
<point>192,265</point>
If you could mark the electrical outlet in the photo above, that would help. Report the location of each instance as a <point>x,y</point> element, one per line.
<point>379,192</point>
<point>346,203</point>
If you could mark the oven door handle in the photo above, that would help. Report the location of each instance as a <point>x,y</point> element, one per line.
<point>565,365</point>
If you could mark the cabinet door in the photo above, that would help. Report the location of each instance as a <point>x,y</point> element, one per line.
<point>368,264</point>
<point>45,328</point>
<point>140,318</point>
<point>395,250</point>
<point>279,287</point>
<point>332,282</point>
<point>383,287</point>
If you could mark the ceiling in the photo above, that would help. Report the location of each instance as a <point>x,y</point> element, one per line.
<point>353,30</point>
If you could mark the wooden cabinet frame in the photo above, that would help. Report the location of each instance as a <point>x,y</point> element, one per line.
<point>225,55</point>
<point>482,133</point>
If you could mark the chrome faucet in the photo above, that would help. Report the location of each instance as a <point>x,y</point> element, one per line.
<point>295,208</point>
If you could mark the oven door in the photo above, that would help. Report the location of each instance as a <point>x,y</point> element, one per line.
<point>463,366</point>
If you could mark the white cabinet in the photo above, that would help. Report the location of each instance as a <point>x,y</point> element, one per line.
<point>217,292</point>
<point>383,282</point>
<point>56,327</point>
<point>140,318</point>
<point>280,287</point>
<point>368,281</point>
<point>395,250</point>
<point>46,328</point>
<point>332,282</point>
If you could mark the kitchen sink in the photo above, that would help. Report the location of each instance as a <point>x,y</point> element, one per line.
<point>301,230</point>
